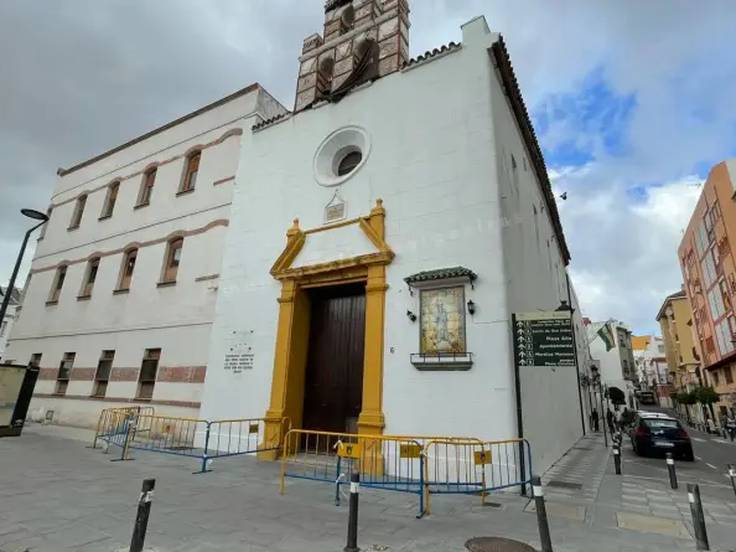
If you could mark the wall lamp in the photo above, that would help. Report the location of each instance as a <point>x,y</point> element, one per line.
<point>471,307</point>
<point>411,316</point>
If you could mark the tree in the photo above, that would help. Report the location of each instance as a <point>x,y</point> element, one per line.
<point>617,396</point>
<point>707,396</point>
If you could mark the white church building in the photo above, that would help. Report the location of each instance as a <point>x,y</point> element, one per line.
<point>381,237</point>
<point>352,265</point>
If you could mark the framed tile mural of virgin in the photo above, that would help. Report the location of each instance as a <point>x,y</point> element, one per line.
<point>443,320</point>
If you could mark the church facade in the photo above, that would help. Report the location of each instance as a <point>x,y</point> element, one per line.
<point>382,235</point>
<point>353,264</point>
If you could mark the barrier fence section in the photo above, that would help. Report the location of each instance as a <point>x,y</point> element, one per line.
<point>111,419</point>
<point>191,437</point>
<point>472,466</point>
<point>419,465</point>
<point>384,462</point>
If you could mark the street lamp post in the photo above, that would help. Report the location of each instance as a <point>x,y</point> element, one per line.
<point>35,215</point>
<point>596,377</point>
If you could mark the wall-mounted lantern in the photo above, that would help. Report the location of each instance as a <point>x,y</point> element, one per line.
<point>411,316</point>
<point>471,307</point>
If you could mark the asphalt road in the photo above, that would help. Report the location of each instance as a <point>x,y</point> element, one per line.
<point>712,455</point>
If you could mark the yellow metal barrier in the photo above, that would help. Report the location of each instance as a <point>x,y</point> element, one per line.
<point>384,462</point>
<point>472,466</point>
<point>111,418</point>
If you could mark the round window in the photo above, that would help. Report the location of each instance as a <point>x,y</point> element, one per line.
<point>349,162</point>
<point>341,155</point>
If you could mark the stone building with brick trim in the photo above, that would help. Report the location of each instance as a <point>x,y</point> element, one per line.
<point>120,299</point>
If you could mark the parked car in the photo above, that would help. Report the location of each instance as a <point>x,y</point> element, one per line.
<point>658,435</point>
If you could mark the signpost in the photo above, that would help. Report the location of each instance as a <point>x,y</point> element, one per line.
<point>544,339</point>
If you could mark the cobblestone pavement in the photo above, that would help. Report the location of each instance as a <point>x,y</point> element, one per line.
<point>56,495</point>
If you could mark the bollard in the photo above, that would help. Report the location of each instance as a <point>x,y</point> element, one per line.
<point>617,459</point>
<point>352,545</point>
<point>696,510</point>
<point>671,470</point>
<point>141,518</point>
<point>541,508</point>
<point>732,476</point>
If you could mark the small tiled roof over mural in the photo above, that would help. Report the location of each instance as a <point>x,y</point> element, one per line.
<point>442,274</point>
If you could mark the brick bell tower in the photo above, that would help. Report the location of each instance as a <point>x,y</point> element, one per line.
<point>363,40</point>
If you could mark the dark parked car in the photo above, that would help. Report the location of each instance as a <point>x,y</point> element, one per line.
<point>659,435</point>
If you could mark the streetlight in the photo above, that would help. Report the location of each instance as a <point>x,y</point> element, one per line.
<point>35,215</point>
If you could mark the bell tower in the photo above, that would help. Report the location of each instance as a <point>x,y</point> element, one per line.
<point>362,40</point>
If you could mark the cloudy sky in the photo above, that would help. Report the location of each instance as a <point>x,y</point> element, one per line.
<point>633,102</point>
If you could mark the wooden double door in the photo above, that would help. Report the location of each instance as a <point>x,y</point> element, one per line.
<point>333,389</point>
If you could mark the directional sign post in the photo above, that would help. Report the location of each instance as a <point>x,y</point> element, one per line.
<point>543,339</point>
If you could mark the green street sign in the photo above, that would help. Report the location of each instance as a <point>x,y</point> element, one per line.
<point>543,339</point>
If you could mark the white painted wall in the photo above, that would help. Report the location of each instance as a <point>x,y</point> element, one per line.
<point>440,144</point>
<point>611,362</point>
<point>6,326</point>
<point>176,319</point>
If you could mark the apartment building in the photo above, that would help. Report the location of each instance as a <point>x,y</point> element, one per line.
<point>708,264</point>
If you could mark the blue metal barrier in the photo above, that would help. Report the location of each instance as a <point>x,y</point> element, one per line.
<point>201,439</point>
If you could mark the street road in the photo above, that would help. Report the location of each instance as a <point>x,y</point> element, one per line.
<point>712,455</point>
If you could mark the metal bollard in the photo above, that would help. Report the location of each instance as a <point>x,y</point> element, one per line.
<point>671,470</point>
<point>541,508</point>
<point>696,510</point>
<point>732,476</point>
<point>352,545</point>
<point>141,518</point>
<point>617,459</point>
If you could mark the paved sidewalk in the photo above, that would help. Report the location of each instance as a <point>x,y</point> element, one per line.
<point>585,479</point>
<point>56,495</point>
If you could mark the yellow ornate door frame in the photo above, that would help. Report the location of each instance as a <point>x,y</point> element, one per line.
<point>287,384</point>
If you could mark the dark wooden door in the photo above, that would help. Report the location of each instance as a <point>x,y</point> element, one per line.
<point>333,388</point>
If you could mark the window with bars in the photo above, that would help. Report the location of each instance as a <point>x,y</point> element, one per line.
<point>65,369</point>
<point>191,170</point>
<point>58,284</point>
<point>110,200</point>
<point>716,378</point>
<point>172,260</point>
<point>147,376</point>
<point>127,269</point>
<point>90,277</point>
<point>78,212</point>
<point>102,375</point>
<point>729,374</point>
<point>149,179</point>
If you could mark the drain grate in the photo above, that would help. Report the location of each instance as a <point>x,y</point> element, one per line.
<point>494,544</point>
<point>564,485</point>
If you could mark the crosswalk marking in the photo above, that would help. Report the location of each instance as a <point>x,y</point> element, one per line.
<point>698,439</point>
<point>711,466</point>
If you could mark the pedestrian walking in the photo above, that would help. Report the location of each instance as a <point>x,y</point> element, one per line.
<point>731,426</point>
<point>609,421</point>
<point>595,420</point>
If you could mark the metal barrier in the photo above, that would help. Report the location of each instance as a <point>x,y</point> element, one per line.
<point>110,420</point>
<point>384,462</point>
<point>195,438</point>
<point>418,465</point>
<point>472,466</point>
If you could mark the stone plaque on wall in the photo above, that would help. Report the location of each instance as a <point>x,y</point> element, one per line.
<point>239,355</point>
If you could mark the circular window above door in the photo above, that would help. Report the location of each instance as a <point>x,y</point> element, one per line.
<point>341,155</point>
